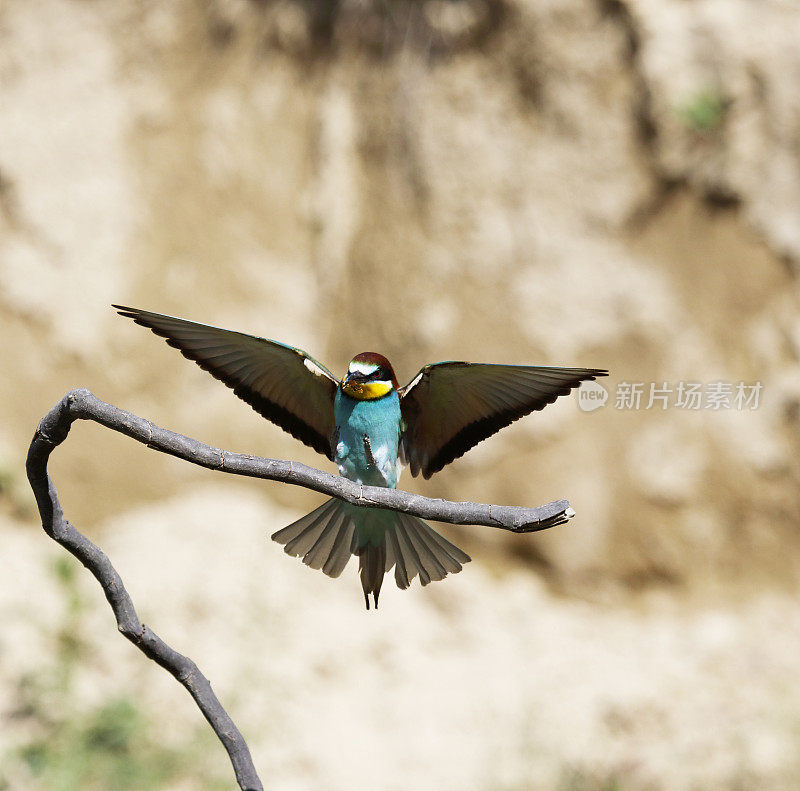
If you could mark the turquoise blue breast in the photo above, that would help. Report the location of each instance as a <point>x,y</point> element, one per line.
<point>374,461</point>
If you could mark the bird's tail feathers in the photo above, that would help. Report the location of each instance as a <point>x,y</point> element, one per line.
<point>414,548</point>
<point>328,536</point>
<point>324,538</point>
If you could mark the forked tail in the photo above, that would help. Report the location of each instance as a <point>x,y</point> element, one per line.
<point>327,538</point>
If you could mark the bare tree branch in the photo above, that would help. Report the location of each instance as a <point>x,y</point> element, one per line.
<point>82,405</point>
<point>52,431</point>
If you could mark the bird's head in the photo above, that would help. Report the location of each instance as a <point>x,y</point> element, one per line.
<point>369,376</point>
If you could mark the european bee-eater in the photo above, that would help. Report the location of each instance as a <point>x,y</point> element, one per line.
<point>370,427</point>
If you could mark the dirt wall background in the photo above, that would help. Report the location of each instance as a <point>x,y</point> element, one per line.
<point>583,182</point>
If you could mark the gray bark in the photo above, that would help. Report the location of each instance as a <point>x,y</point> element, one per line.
<point>82,405</point>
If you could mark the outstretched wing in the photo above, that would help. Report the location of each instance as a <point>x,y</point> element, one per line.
<point>450,407</point>
<point>282,383</point>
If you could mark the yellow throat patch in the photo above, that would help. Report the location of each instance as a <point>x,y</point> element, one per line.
<point>367,391</point>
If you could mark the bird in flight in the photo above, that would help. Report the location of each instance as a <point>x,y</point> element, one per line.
<point>371,428</point>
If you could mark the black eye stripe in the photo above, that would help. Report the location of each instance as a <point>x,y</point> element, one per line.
<point>379,374</point>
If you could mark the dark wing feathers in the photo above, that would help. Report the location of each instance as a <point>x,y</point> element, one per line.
<point>447,408</point>
<point>450,407</point>
<point>282,383</point>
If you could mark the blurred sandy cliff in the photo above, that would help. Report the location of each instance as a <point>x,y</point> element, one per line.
<point>608,183</point>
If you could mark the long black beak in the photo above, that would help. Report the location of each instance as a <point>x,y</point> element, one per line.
<point>354,377</point>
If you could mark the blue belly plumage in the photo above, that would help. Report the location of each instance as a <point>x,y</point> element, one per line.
<point>366,445</point>
<point>368,439</point>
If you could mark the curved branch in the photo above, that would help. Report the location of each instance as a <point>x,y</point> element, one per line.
<point>52,431</point>
<point>80,404</point>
